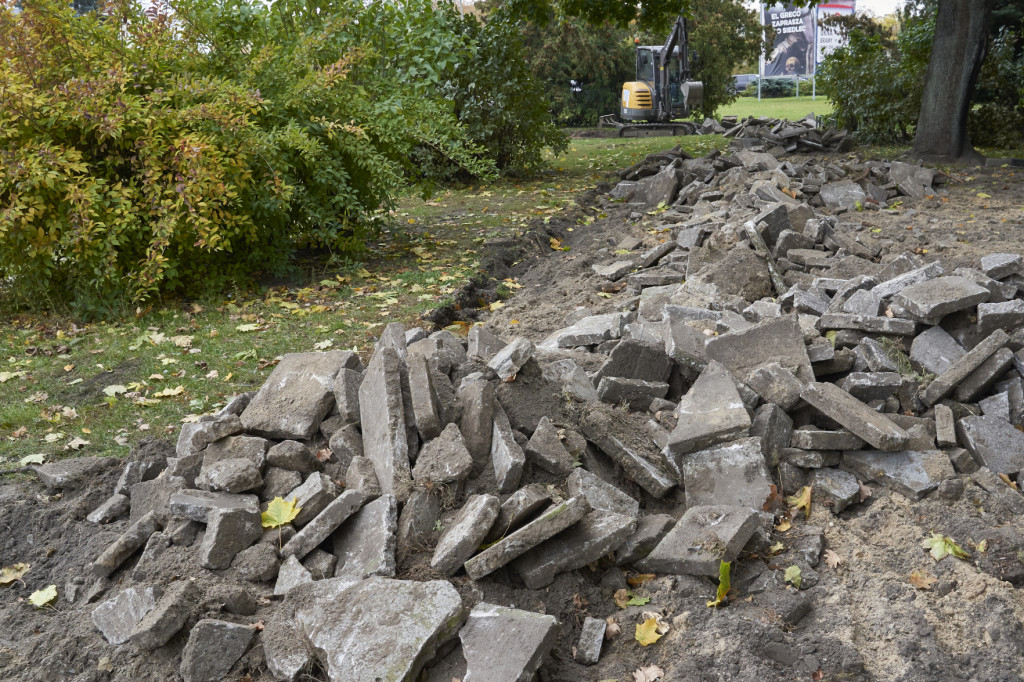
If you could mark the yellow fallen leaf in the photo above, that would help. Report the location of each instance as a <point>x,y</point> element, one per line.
<point>8,574</point>
<point>41,598</point>
<point>168,392</point>
<point>784,525</point>
<point>497,305</point>
<point>114,389</point>
<point>802,500</point>
<point>724,583</point>
<point>279,512</point>
<point>647,632</point>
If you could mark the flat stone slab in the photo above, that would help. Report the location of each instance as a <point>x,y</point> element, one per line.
<point>840,488</point>
<point>196,436</point>
<point>600,494</point>
<point>545,449</point>
<point>550,523</point>
<point>323,524</point>
<point>635,359</point>
<point>382,413</point>
<point>742,352</point>
<point>507,458</point>
<point>171,613</point>
<point>1000,265</point>
<point>711,412</point>
<point>596,535</point>
<point>444,459</point>
<point>424,404</point>
<point>502,644</point>
<point>129,542</point>
<point>941,386</point>
<point>196,505</point>
<point>993,443</point>
<point>808,439</point>
<point>213,647</point>
<point>613,435</point>
<point>365,543</point>
<point>71,474</point>
<point>930,301</point>
<point>380,628</point>
<point>857,417</point>
<point>868,323</point>
<point>312,497</point>
<point>891,287</point>
<point>117,617</point>
<point>517,509</point>
<point>509,360</point>
<point>913,474</point>
<point>702,539</point>
<point>730,474</point>
<point>296,396</point>
<point>935,351</point>
<point>465,533</point>
<point>291,574</point>
<point>589,331</point>
<point>228,532</point>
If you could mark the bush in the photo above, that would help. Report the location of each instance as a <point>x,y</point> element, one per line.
<point>143,155</point>
<point>996,118</point>
<point>773,87</point>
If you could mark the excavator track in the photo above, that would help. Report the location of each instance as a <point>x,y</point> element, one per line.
<point>634,129</point>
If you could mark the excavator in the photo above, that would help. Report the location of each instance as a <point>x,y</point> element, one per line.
<point>662,92</point>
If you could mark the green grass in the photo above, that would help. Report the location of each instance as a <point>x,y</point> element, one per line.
<point>70,388</point>
<point>793,108</point>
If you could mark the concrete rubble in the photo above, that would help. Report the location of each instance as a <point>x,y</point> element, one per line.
<point>744,360</point>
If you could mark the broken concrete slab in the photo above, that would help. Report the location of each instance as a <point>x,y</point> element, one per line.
<point>866,323</point>
<point>312,497</point>
<point>361,476</point>
<point>776,384</point>
<point>228,531</point>
<point>649,532</point>
<point>911,473</point>
<point>196,505</point>
<point>711,412</point>
<point>518,509</point>
<point>702,539</point>
<point>424,404</point>
<point>323,524</point>
<point>891,287</point>
<point>291,574</point>
<point>545,449</point>
<point>817,439</point>
<point>618,439</point>
<point>596,535</point>
<point>365,543</point>
<point>994,443</point>
<point>297,395</point>
<point>213,647</point>
<point>930,301</point>
<point>382,413</point>
<point>854,415</point>
<point>505,645</point>
<point>195,436</point>
<point>507,457</point>
<point>589,331</point>
<point>601,495</point>
<point>482,344</point>
<point>476,425</point>
<point>112,508</point>
<point>588,648</point>
<point>132,540</point>
<point>293,456</point>
<point>842,194</point>
<point>169,615</point>
<point>981,379</point>
<point>942,385</point>
<point>1000,265</point>
<point>636,394</point>
<point>935,351</point>
<point>742,352</point>
<point>444,459</point>
<point>355,644</point>
<point>509,360</point>
<point>465,533</point>
<point>556,519</point>
<point>839,488</point>
<point>634,359</point>
<point>416,523</point>
<point>733,473</point>
<point>230,475</point>
<point>116,618</point>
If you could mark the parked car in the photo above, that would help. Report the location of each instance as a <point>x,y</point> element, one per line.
<point>741,81</point>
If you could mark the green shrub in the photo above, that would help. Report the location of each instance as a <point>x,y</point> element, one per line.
<point>996,118</point>
<point>143,155</point>
<point>773,87</point>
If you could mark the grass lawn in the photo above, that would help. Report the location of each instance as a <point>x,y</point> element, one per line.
<point>793,108</point>
<point>71,388</point>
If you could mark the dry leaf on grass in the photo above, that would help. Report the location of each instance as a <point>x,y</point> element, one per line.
<point>648,673</point>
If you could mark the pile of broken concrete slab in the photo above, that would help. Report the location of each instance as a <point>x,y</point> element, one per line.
<point>744,359</point>
<point>780,136</point>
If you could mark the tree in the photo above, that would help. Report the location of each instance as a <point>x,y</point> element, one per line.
<point>961,32</point>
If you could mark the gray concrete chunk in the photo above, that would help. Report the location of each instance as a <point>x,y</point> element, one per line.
<point>382,414</point>
<point>1007,315</point>
<point>980,380</point>
<point>483,344</point>
<point>323,524</point>
<point>132,540</point>
<point>742,352</point>
<point>476,425</point>
<point>517,509</point>
<point>839,488</point>
<point>465,533</point>
<point>711,412</point>
<point>346,394</point>
<point>361,476</point>
<point>913,474</point>
<point>505,645</point>
<point>867,323</point>
<point>237,447</point>
<point>444,459</point>
<point>168,617</point>
<point>703,538</point>
<point>649,532</point>
<point>424,404</point>
<point>963,367</point>
<point>930,301</point>
<point>313,496</point>
<point>196,505</point>
<point>545,449</point>
<point>636,360</point>
<point>731,474</point>
<point>945,427</point>
<point>553,521</point>
<point>285,650</point>
<point>993,443</point>
<point>589,331</point>
<point>588,649</point>
<point>618,439</point>
<point>595,536</point>
<point>935,351</point>
<point>893,286</point>
<point>293,456</point>
<point>228,531</point>
<point>776,384</point>
<point>635,393</point>
<point>365,543</point>
<point>230,475</point>
<point>380,628</point>
<point>508,361</point>
<point>195,436</point>
<point>1000,265</point>
<point>291,574</point>
<point>213,647</point>
<point>860,419</point>
<point>117,617</point>
<point>868,386</point>
<point>507,458</point>
<point>814,439</point>
<point>601,495</point>
<point>297,395</point>
<point>113,507</point>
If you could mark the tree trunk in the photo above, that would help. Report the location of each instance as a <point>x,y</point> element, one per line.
<point>961,36</point>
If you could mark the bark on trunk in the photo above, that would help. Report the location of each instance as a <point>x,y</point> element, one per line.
<point>961,37</point>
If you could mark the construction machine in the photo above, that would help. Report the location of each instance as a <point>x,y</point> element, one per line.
<point>663,90</point>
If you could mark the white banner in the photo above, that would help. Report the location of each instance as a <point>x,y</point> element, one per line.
<point>830,39</point>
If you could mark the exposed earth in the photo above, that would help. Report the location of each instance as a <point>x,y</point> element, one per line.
<point>875,606</point>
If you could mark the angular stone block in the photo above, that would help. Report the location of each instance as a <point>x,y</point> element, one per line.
<point>365,543</point>
<point>600,495</point>
<point>323,524</point>
<point>382,414</point>
<point>730,474</point>
<point>910,473</point>
<point>500,643</point>
<point>545,449</point>
<point>596,535</point>
<point>213,647</point>
<point>711,412</point>
<point>860,419</point>
<point>228,531</point>
<point>617,438</point>
<point>702,539</point>
<point>993,443</point>
<point>465,533</point>
<point>444,459</point>
<point>507,457</point>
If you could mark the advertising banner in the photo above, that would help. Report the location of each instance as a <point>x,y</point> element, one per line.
<point>830,39</point>
<point>793,50</point>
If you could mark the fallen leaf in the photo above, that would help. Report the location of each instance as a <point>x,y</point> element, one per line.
<point>802,500</point>
<point>323,345</point>
<point>53,437</point>
<point>776,548</point>
<point>983,546</point>
<point>612,628</point>
<point>865,492</point>
<point>32,459</point>
<point>939,546</point>
<point>1007,481</point>
<point>648,673</point>
<point>156,338</point>
<point>247,327</point>
<point>279,512</point>
<point>723,584</point>
<point>105,665</point>
<point>832,560</point>
<point>784,524</point>
<point>182,341</point>
<point>497,305</point>
<point>7,376</point>
<point>76,443</point>
<point>621,598</point>
<point>640,579</point>
<point>637,601</point>
<point>8,574</point>
<point>793,576</point>
<point>212,374</point>
<point>982,195</point>
<point>922,580</point>
<point>647,632</point>
<point>168,392</point>
<point>20,432</point>
<point>115,389</point>
<point>41,598</point>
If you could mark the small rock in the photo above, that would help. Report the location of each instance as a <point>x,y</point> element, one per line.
<point>213,647</point>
